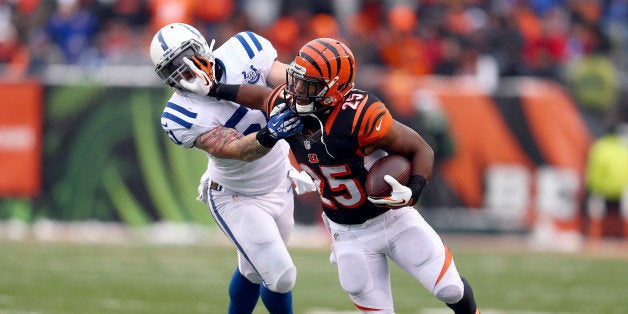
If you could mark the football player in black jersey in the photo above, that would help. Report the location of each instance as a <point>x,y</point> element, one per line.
<point>344,131</point>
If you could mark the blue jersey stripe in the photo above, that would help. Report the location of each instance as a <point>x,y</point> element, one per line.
<point>236,117</point>
<point>246,45</point>
<point>252,128</point>
<point>258,45</point>
<point>181,110</point>
<point>170,116</point>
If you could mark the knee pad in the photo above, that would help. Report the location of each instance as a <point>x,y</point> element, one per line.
<point>353,274</point>
<point>450,294</point>
<point>285,282</point>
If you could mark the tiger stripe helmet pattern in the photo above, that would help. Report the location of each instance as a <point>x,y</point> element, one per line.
<point>321,75</point>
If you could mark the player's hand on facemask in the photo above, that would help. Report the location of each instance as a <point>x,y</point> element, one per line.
<point>203,71</point>
<point>302,181</point>
<point>400,196</point>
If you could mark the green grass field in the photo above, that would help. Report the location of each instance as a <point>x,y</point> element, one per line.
<point>38,277</point>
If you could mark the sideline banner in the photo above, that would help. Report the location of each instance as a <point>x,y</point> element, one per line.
<point>20,139</point>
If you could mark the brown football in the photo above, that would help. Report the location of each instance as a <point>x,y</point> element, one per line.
<point>397,166</point>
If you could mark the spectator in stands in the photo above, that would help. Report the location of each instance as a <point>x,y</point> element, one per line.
<point>14,56</point>
<point>132,12</point>
<point>463,58</point>
<point>402,49</point>
<point>505,43</point>
<point>362,33</point>
<point>283,33</point>
<point>546,52</point>
<point>164,12</point>
<point>592,77</point>
<point>73,29</point>
<point>615,25</point>
<point>121,44</point>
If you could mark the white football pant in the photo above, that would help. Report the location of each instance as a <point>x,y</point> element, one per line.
<point>360,253</point>
<point>259,227</point>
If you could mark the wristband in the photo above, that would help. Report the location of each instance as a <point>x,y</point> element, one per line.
<point>416,183</point>
<point>264,138</point>
<point>224,91</point>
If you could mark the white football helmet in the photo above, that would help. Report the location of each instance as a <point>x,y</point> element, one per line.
<point>170,45</point>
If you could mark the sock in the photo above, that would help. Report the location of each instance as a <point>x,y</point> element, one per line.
<point>243,294</point>
<point>276,303</point>
<point>466,305</point>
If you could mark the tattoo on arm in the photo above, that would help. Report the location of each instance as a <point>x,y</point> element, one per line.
<point>223,142</point>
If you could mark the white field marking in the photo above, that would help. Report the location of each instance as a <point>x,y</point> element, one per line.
<point>437,311</point>
<point>323,311</point>
<point>485,311</point>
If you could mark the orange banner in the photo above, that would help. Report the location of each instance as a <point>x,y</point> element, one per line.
<point>20,139</point>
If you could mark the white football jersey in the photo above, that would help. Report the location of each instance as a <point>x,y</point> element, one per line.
<point>246,58</point>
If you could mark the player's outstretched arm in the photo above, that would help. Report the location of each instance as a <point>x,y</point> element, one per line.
<point>224,142</point>
<point>248,95</point>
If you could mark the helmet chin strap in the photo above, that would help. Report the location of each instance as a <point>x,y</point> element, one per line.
<point>320,123</point>
<point>305,109</point>
<point>328,100</point>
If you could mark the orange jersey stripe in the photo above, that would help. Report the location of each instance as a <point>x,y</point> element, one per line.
<point>375,124</point>
<point>276,93</point>
<point>446,263</point>
<point>358,114</point>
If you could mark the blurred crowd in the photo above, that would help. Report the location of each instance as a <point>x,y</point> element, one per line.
<point>568,41</point>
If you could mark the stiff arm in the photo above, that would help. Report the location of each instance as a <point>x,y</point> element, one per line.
<point>223,142</point>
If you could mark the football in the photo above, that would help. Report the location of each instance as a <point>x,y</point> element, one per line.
<point>397,166</point>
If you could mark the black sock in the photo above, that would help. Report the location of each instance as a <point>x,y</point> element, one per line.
<point>466,305</point>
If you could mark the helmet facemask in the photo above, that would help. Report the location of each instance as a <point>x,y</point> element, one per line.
<point>173,69</point>
<point>308,93</point>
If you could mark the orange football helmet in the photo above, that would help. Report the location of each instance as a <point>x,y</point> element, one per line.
<point>321,75</point>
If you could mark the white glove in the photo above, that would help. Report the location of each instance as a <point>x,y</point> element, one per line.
<point>202,188</point>
<point>302,181</point>
<point>203,81</point>
<point>400,196</point>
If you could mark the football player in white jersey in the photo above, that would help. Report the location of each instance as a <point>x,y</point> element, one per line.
<point>249,192</point>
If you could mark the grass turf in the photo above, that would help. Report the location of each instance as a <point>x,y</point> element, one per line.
<point>67,278</point>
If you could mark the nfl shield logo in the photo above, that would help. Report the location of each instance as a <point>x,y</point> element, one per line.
<point>307,144</point>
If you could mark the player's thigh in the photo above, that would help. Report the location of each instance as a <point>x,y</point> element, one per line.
<point>360,266</point>
<point>262,251</point>
<point>363,274</point>
<point>284,215</point>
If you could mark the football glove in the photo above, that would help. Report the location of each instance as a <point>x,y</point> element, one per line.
<point>203,71</point>
<point>278,109</point>
<point>279,126</point>
<point>400,196</point>
<point>302,181</point>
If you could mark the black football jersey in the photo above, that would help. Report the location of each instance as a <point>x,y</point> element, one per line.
<point>330,152</point>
